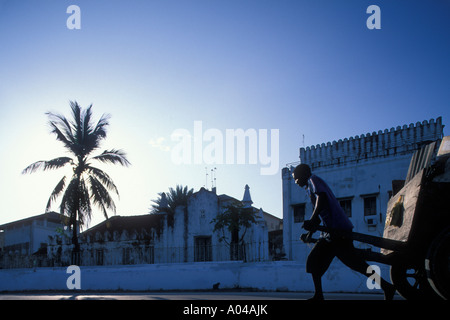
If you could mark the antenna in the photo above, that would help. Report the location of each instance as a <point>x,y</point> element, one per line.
<point>213,178</point>
<point>206,178</point>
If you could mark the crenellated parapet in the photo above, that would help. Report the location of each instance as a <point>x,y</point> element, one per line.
<point>396,141</point>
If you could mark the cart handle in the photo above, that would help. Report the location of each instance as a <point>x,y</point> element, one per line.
<point>380,242</point>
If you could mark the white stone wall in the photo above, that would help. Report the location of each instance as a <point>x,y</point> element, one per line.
<point>399,141</point>
<point>274,275</point>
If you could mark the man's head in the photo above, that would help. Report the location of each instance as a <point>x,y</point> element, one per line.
<point>301,174</point>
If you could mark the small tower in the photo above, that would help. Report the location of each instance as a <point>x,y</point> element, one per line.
<point>260,216</point>
<point>247,200</point>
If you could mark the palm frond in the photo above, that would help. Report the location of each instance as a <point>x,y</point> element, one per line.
<point>76,114</point>
<point>100,128</point>
<point>56,192</point>
<point>75,202</point>
<point>68,203</point>
<point>103,177</point>
<point>86,118</point>
<point>156,205</point>
<point>47,165</point>
<point>60,136</point>
<point>89,139</point>
<point>113,156</point>
<point>175,197</point>
<point>179,196</point>
<point>62,129</point>
<point>84,208</point>
<point>101,197</point>
<point>62,122</point>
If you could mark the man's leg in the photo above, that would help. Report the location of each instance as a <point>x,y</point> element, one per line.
<point>348,255</point>
<point>318,293</point>
<point>319,259</point>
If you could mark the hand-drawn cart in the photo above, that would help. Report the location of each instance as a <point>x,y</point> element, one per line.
<point>416,238</point>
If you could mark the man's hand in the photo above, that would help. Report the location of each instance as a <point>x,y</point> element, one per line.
<point>310,225</point>
<point>306,237</point>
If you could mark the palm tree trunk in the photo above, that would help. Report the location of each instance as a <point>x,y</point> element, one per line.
<point>75,214</point>
<point>76,244</point>
<point>234,245</point>
<point>75,235</point>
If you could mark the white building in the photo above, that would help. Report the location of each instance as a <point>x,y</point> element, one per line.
<point>187,236</point>
<point>362,172</point>
<point>27,236</point>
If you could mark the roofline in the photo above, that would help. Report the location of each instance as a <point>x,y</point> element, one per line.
<point>98,226</point>
<point>43,215</point>
<point>271,215</point>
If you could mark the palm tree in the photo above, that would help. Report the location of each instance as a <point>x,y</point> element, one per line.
<point>234,218</point>
<point>175,197</point>
<point>81,136</point>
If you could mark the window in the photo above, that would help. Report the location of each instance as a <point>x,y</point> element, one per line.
<point>299,212</point>
<point>202,249</point>
<point>370,206</point>
<point>346,205</point>
<point>99,257</point>
<point>150,257</point>
<point>126,256</point>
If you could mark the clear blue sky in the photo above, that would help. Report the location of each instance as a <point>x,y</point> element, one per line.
<point>306,68</point>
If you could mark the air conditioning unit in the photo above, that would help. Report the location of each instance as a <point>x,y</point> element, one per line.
<point>371,221</point>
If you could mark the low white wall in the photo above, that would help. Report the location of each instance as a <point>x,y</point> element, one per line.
<point>271,276</point>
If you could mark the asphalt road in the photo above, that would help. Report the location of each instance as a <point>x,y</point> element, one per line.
<point>214,295</point>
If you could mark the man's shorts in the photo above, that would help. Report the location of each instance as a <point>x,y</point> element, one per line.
<point>324,251</point>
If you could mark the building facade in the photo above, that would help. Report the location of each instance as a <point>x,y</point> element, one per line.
<point>28,236</point>
<point>186,236</point>
<point>362,171</point>
<point>23,243</point>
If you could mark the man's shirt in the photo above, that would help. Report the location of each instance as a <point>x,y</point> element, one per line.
<point>333,216</point>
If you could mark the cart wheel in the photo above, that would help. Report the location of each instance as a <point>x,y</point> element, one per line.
<point>411,282</point>
<point>437,264</point>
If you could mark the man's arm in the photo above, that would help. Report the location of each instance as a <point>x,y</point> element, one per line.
<point>321,202</point>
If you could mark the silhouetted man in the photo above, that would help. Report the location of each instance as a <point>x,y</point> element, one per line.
<point>328,209</point>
